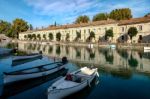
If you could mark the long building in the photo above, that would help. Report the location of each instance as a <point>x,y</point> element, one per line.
<point>81,32</point>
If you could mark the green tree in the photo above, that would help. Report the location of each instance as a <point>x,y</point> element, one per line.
<point>58,36</point>
<point>19,25</point>
<point>50,36</point>
<point>34,36</point>
<point>67,36</point>
<point>109,33</point>
<point>6,28</point>
<point>25,36</point>
<point>120,14</point>
<point>82,19</point>
<point>78,36</point>
<point>148,14</point>
<point>92,35</point>
<point>30,27</point>
<point>29,36</point>
<point>44,36</point>
<point>39,36</point>
<point>132,32</point>
<point>100,16</point>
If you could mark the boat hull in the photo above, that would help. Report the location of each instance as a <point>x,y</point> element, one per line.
<point>59,94</point>
<point>14,78</point>
<point>21,58</point>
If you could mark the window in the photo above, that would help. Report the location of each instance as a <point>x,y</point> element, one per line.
<point>140,28</point>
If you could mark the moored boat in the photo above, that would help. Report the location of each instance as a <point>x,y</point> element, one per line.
<point>34,72</point>
<point>26,57</point>
<point>72,83</point>
<point>4,51</point>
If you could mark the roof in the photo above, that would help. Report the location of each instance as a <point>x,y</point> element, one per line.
<point>135,21</point>
<point>103,22</point>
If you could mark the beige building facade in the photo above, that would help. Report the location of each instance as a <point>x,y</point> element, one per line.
<point>120,30</point>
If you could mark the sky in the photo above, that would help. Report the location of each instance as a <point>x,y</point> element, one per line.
<point>45,12</point>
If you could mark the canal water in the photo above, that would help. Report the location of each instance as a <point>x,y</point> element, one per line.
<point>124,74</point>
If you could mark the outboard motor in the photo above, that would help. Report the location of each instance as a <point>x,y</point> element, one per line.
<point>14,50</point>
<point>64,60</point>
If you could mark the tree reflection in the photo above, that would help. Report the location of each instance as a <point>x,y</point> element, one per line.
<point>44,47</point>
<point>67,50</point>
<point>132,62</point>
<point>39,47</point>
<point>58,51</point>
<point>91,53</point>
<point>123,53</point>
<point>109,56</point>
<point>50,50</point>
<point>34,47</point>
<point>122,73</point>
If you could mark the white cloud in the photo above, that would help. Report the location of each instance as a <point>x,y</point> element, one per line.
<point>67,10</point>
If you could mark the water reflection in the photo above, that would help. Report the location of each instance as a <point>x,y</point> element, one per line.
<point>119,58</point>
<point>18,87</point>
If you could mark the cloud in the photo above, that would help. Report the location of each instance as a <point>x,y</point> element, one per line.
<point>66,11</point>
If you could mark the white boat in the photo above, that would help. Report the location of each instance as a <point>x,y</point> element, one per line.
<point>34,72</point>
<point>146,48</point>
<point>66,86</point>
<point>26,57</point>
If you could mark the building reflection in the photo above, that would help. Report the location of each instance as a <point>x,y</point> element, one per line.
<point>102,57</point>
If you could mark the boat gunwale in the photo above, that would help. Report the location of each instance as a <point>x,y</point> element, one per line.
<point>11,73</point>
<point>49,91</point>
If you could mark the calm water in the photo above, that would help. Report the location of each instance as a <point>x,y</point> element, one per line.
<point>124,74</point>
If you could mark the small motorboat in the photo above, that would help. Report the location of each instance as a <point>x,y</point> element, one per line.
<point>72,83</point>
<point>34,72</point>
<point>27,57</point>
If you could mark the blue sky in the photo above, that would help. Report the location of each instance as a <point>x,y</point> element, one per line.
<point>45,12</point>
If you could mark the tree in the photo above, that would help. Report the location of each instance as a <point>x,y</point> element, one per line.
<point>30,27</point>
<point>39,36</point>
<point>25,36</point>
<point>44,36</point>
<point>67,36</point>
<point>29,36</point>
<point>34,36</point>
<point>132,32</point>
<point>82,19</point>
<point>100,16</point>
<point>148,14</point>
<point>58,36</point>
<point>78,36</point>
<point>120,14</point>
<point>92,35</point>
<point>6,28</point>
<point>19,25</point>
<point>109,33</point>
<point>50,36</point>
